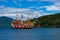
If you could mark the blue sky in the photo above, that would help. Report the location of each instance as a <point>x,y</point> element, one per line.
<point>30,8</point>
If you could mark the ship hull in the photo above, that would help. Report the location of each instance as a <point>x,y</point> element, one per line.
<point>17,25</point>
<point>22,27</point>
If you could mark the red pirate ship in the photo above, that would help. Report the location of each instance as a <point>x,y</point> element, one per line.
<point>22,24</point>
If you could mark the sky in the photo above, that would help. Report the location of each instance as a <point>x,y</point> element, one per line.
<point>28,8</point>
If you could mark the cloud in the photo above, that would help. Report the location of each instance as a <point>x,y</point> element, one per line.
<point>47,10</point>
<point>29,0</point>
<point>31,11</point>
<point>52,8</point>
<point>18,3</point>
<point>37,0</point>
<point>2,6</point>
<point>57,4</point>
<point>45,0</point>
<point>26,12</point>
<point>7,14</point>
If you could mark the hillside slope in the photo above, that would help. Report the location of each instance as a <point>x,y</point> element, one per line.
<point>49,21</point>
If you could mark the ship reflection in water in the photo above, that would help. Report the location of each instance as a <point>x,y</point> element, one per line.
<point>30,34</point>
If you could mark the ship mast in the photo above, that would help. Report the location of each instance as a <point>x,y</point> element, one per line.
<point>21,15</point>
<point>28,18</point>
<point>16,17</point>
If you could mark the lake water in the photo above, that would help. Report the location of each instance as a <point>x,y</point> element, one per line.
<point>29,34</point>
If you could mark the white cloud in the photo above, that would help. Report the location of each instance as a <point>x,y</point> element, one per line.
<point>2,6</point>
<point>11,12</point>
<point>7,14</point>
<point>57,4</point>
<point>29,0</point>
<point>48,8</point>
<point>17,3</point>
<point>44,0</point>
<point>52,8</point>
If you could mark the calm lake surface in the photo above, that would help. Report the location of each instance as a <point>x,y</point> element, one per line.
<point>8,33</point>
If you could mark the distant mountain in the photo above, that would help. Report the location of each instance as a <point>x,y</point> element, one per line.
<point>49,21</point>
<point>5,21</point>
